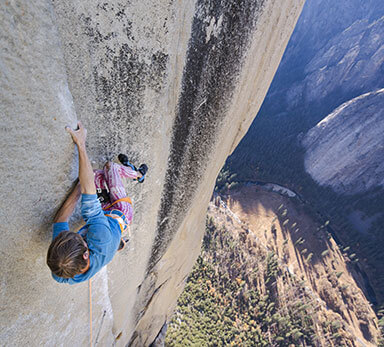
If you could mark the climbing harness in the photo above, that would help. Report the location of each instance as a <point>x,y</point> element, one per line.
<point>118,215</point>
<point>127,199</point>
<point>115,214</point>
<point>120,218</point>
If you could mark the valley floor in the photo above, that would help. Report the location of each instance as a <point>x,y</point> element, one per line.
<point>270,274</point>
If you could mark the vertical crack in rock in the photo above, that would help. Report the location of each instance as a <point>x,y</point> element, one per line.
<point>135,336</point>
<point>219,39</point>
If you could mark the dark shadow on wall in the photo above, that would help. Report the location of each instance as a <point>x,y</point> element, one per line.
<point>213,65</point>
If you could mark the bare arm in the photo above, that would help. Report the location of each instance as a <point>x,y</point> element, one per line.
<point>66,210</point>
<point>86,175</point>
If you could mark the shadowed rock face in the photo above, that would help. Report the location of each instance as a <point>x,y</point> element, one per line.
<point>335,54</point>
<point>345,149</point>
<point>350,62</point>
<point>219,39</point>
<point>174,85</point>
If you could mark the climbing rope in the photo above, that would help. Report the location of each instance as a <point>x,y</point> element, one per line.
<point>90,311</point>
<point>127,199</point>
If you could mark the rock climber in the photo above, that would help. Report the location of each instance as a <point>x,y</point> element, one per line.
<point>75,257</point>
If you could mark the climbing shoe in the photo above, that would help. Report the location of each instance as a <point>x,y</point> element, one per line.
<point>124,160</point>
<point>123,243</point>
<point>143,170</point>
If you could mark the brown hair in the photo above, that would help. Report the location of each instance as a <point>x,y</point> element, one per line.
<point>65,254</point>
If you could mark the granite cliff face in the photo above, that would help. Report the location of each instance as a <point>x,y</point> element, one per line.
<point>345,149</point>
<point>172,84</point>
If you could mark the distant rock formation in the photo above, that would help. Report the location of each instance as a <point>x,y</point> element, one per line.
<point>336,53</point>
<point>345,150</point>
<point>174,84</point>
<point>351,61</point>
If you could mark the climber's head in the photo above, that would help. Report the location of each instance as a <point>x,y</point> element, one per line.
<point>68,255</point>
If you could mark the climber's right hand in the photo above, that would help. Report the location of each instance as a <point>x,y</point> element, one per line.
<point>79,135</point>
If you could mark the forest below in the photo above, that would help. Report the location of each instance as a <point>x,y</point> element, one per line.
<point>240,293</point>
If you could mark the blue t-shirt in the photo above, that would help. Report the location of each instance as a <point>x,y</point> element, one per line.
<point>103,236</point>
